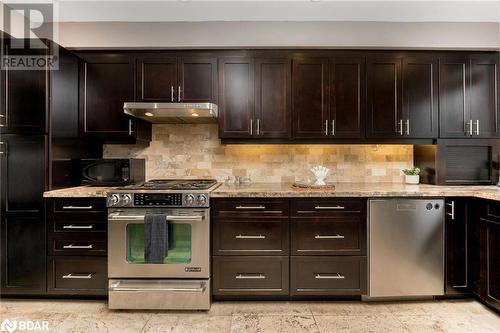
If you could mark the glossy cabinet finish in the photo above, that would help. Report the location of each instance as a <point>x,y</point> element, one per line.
<point>197,79</point>
<point>77,276</point>
<point>310,97</point>
<point>384,96</point>
<point>157,79</point>
<point>458,279</point>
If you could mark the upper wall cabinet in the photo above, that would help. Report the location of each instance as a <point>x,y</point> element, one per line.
<point>468,91</point>
<point>254,97</point>
<point>106,82</point>
<point>167,78</point>
<point>23,97</point>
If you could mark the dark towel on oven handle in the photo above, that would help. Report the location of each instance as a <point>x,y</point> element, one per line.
<point>155,238</point>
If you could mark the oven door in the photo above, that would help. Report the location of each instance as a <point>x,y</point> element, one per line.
<point>188,255</point>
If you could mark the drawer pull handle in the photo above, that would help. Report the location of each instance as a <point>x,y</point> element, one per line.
<point>329,276</point>
<point>256,276</point>
<point>329,207</point>
<point>251,207</point>
<point>72,246</point>
<point>71,226</point>
<point>250,237</point>
<point>329,237</point>
<point>78,207</point>
<point>77,276</point>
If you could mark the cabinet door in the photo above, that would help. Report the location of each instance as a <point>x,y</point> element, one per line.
<point>484,95</point>
<point>23,254</point>
<point>347,82</point>
<point>272,97</point>
<point>22,168</point>
<point>454,108</point>
<point>236,101</point>
<point>157,79</point>
<point>197,80</point>
<point>25,98</point>
<point>310,98</point>
<point>384,102</point>
<point>107,82</point>
<point>457,247</point>
<point>420,97</point>
<point>490,262</point>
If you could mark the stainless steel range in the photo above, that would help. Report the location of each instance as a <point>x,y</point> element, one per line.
<point>180,279</point>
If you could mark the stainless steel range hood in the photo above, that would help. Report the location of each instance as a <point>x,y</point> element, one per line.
<point>173,113</point>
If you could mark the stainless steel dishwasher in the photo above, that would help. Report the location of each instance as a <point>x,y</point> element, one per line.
<point>406,248</point>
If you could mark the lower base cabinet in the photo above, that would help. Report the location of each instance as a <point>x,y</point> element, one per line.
<point>328,276</point>
<point>77,276</point>
<point>250,276</point>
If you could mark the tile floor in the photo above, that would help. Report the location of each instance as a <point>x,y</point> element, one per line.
<point>453,316</point>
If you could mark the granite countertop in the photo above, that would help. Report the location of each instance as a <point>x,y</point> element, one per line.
<point>284,190</point>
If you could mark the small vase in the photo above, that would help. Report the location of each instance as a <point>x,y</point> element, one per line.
<point>412,179</point>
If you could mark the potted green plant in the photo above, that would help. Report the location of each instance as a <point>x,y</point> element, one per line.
<point>412,175</point>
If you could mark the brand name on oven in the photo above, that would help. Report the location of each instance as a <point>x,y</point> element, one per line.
<point>192,269</point>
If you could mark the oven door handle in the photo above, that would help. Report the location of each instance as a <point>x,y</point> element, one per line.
<point>189,290</point>
<point>114,217</point>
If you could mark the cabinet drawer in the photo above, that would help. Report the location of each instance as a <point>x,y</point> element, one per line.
<point>78,246</point>
<point>328,207</point>
<point>262,236</point>
<point>250,275</point>
<point>78,205</point>
<point>345,236</point>
<point>328,275</point>
<point>72,226</point>
<point>491,211</point>
<point>77,275</point>
<point>250,207</point>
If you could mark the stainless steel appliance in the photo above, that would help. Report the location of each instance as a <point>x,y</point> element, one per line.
<point>112,171</point>
<point>182,280</point>
<point>406,248</point>
<point>173,113</point>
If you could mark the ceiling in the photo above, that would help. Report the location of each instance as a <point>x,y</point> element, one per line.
<point>278,10</point>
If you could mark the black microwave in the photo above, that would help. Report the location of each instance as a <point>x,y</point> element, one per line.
<point>113,172</point>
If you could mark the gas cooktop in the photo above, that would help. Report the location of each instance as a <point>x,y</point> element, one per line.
<point>173,184</point>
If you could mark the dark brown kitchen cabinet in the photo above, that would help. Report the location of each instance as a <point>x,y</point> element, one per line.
<point>347,97</point>
<point>310,98</point>
<point>272,117</point>
<point>420,97</point>
<point>458,279</point>
<point>106,82</point>
<point>236,100</point>
<point>484,99</point>
<point>168,78</point>
<point>23,97</point>
<point>384,96</point>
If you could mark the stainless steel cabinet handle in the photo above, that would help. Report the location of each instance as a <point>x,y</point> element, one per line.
<point>400,124</point>
<point>258,126</point>
<point>130,131</point>
<point>471,128</point>
<point>171,93</point>
<point>477,127</point>
<point>407,126</point>
<point>77,276</point>
<point>326,127</point>
<point>179,94</point>
<point>3,148</point>
<point>452,214</point>
<point>72,246</point>
<point>329,237</point>
<point>251,126</point>
<point>250,207</point>
<point>3,120</point>
<point>77,207</point>
<point>329,276</point>
<point>71,226</point>
<point>257,276</point>
<point>333,127</point>
<point>329,207</point>
<point>249,237</point>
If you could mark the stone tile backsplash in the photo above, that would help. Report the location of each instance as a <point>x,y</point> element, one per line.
<point>195,151</point>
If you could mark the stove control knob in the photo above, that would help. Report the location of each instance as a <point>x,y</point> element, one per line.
<point>113,200</point>
<point>189,200</point>
<point>126,199</point>
<point>201,199</point>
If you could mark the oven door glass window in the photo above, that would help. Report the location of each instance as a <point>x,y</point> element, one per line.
<point>179,244</point>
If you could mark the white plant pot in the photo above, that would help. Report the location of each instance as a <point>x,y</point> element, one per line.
<point>412,179</point>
